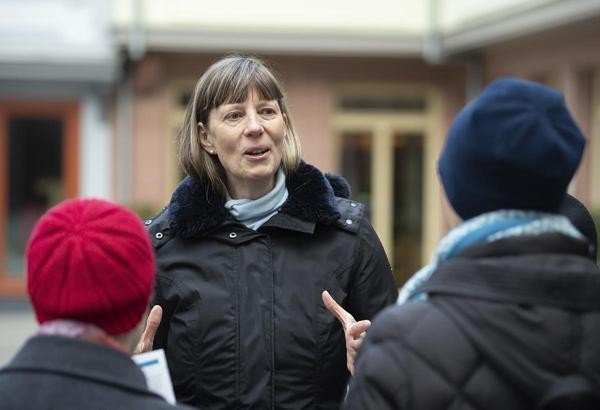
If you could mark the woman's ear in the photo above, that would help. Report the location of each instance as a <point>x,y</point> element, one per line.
<point>204,139</point>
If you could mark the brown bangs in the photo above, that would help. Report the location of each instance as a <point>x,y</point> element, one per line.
<point>235,78</point>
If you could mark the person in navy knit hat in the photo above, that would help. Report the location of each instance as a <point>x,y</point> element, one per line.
<point>90,273</point>
<point>507,313</point>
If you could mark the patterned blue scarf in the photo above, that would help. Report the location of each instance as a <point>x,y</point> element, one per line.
<point>255,212</point>
<point>487,227</point>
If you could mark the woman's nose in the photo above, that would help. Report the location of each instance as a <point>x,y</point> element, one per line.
<point>253,126</point>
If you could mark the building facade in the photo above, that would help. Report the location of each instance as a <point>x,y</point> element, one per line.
<point>92,94</point>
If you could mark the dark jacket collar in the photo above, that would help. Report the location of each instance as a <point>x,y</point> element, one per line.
<point>196,208</point>
<point>79,359</point>
<point>550,269</point>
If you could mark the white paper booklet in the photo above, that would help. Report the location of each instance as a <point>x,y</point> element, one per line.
<point>154,366</point>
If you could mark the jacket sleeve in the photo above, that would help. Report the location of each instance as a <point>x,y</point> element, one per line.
<point>380,380</point>
<point>373,286</point>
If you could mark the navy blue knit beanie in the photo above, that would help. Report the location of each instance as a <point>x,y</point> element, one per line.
<point>514,147</point>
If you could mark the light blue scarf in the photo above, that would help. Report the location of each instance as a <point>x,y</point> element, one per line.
<point>487,227</point>
<point>255,212</point>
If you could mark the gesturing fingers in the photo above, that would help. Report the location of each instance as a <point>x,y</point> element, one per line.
<point>345,318</point>
<point>354,338</point>
<point>152,322</point>
<point>357,330</point>
<point>353,331</point>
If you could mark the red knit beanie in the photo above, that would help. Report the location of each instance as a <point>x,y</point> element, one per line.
<point>90,260</point>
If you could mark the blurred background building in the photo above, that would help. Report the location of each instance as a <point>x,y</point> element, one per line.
<point>92,93</point>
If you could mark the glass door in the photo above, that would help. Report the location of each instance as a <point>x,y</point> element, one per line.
<point>407,208</point>
<point>385,172</point>
<point>356,165</point>
<point>388,137</point>
<point>38,149</point>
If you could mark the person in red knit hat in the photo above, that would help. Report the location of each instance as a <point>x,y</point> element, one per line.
<point>90,273</point>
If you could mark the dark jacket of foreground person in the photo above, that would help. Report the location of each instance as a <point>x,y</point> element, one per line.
<point>56,372</point>
<point>503,322</point>
<point>244,325</point>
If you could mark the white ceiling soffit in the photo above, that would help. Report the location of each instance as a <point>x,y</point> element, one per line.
<point>267,41</point>
<point>343,27</point>
<point>517,22</point>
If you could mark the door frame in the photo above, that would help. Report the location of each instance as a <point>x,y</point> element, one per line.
<point>383,125</point>
<point>69,113</point>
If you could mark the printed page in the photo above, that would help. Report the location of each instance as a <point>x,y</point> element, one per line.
<point>154,366</point>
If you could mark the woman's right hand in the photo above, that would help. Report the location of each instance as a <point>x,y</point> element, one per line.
<point>354,331</point>
<point>152,323</point>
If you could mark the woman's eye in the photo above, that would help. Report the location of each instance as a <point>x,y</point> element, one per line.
<point>233,116</point>
<point>268,111</point>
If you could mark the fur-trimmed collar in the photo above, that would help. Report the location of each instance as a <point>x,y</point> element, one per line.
<point>196,208</point>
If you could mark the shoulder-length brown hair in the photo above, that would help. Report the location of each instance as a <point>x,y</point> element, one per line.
<point>228,81</point>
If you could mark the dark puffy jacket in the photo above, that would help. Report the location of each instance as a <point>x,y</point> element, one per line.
<point>244,325</point>
<point>504,323</point>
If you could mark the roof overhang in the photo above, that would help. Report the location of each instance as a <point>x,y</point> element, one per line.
<point>66,71</point>
<point>530,19</point>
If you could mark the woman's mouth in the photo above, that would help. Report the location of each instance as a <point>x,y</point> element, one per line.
<point>257,153</point>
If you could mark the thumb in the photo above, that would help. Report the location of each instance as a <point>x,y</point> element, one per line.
<point>357,329</point>
<point>152,322</point>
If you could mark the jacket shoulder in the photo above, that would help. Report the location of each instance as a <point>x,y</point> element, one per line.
<point>158,228</point>
<point>351,214</point>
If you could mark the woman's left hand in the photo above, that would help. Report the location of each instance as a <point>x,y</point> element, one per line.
<point>353,330</point>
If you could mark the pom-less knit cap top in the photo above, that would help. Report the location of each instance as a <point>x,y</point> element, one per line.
<point>516,146</point>
<point>90,260</point>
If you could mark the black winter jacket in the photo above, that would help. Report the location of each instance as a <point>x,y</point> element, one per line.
<point>504,322</point>
<point>244,325</point>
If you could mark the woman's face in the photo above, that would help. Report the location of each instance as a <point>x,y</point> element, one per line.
<point>247,137</point>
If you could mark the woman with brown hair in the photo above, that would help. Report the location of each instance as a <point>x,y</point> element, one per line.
<point>250,239</point>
